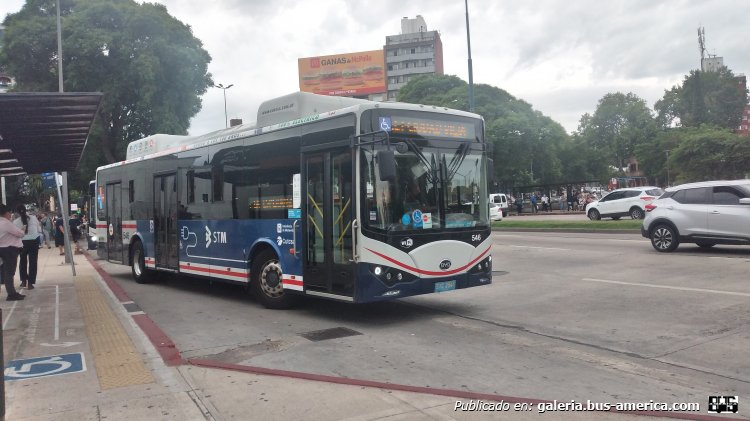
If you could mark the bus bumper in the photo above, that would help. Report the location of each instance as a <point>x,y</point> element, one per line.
<point>372,287</point>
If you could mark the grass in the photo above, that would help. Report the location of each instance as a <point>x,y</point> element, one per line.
<point>626,224</point>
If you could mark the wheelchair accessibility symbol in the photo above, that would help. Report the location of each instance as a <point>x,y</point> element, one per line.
<point>45,366</point>
<point>385,123</point>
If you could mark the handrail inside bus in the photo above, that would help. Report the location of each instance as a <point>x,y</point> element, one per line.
<point>343,233</point>
<point>357,137</point>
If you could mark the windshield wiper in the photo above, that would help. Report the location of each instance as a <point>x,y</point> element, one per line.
<point>430,166</point>
<point>457,160</point>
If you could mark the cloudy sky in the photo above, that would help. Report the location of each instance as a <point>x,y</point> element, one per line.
<point>561,56</point>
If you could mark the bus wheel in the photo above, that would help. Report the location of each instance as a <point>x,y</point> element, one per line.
<point>266,281</point>
<point>138,267</point>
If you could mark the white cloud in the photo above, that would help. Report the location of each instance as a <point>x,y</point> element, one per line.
<point>560,56</point>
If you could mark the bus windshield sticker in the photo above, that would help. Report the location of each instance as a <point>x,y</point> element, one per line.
<point>294,213</point>
<point>416,216</point>
<point>427,220</point>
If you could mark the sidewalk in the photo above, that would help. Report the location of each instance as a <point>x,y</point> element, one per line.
<point>78,349</point>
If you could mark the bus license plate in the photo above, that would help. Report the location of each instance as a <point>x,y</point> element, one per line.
<point>445,286</point>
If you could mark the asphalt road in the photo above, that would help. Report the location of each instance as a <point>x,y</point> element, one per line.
<point>576,316</point>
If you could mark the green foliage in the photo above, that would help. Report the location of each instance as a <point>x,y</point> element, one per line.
<point>710,153</point>
<point>703,98</point>
<point>527,144</point>
<point>150,67</point>
<point>620,123</point>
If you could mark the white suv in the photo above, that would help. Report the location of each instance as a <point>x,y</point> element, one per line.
<point>502,202</point>
<point>631,202</point>
<point>707,213</point>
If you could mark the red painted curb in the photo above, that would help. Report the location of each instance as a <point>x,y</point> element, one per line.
<point>166,348</point>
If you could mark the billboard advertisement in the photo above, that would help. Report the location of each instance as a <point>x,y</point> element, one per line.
<point>350,74</point>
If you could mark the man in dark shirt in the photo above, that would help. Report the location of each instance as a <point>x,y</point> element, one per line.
<point>75,230</point>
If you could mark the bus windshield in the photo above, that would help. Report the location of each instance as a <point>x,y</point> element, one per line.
<point>435,188</point>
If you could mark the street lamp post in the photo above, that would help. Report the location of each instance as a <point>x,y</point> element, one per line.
<point>224,88</point>
<point>471,70</point>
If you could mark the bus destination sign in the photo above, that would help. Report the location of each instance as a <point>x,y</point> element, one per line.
<point>432,128</point>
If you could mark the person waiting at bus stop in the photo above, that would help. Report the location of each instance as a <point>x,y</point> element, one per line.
<point>60,233</point>
<point>10,245</point>
<point>75,231</point>
<point>30,251</point>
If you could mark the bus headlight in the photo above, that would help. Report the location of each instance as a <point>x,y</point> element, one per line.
<point>94,238</point>
<point>378,270</point>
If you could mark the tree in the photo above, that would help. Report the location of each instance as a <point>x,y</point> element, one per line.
<point>150,67</point>
<point>711,98</point>
<point>652,155</point>
<point>620,123</point>
<point>710,153</point>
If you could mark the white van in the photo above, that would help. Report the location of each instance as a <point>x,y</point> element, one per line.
<point>501,200</point>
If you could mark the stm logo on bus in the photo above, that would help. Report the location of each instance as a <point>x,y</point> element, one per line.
<point>218,237</point>
<point>445,264</point>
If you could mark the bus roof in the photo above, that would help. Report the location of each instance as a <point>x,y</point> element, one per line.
<point>293,109</point>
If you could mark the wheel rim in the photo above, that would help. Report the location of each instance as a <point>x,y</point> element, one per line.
<point>662,238</point>
<point>137,268</point>
<point>636,214</point>
<point>594,215</point>
<point>270,279</point>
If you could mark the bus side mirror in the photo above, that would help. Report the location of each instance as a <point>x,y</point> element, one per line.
<point>387,165</point>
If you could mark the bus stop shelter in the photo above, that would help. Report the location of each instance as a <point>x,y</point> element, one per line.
<point>44,132</point>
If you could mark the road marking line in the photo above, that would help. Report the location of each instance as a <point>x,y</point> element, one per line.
<point>711,291</point>
<point>741,259</point>
<point>57,313</point>
<point>539,248</point>
<point>5,320</point>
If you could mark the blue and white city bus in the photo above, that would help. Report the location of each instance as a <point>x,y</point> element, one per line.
<point>334,197</point>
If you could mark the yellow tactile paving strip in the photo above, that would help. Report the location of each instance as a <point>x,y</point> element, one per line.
<point>117,362</point>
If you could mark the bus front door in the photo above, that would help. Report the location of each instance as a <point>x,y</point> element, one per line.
<point>165,220</point>
<point>328,257</point>
<point>114,223</point>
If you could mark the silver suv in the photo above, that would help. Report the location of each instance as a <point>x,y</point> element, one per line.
<point>630,202</point>
<point>706,213</point>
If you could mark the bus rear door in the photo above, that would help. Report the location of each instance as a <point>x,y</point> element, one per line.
<point>114,222</point>
<point>165,221</point>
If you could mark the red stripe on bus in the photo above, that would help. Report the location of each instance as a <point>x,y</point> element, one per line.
<point>427,272</point>
<point>291,282</point>
<point>237,273</point>
<point>101,225</point>
<point>129,226</point>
